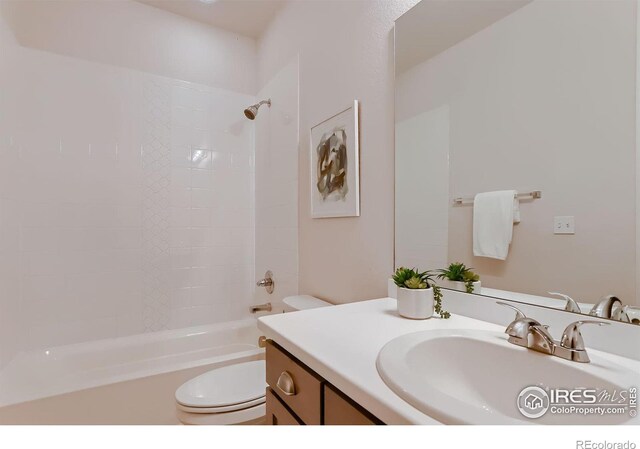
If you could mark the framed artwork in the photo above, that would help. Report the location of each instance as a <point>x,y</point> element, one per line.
<point>335,166</point>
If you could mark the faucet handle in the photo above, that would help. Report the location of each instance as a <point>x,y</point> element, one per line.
<point>571,305</point>
<point>542,340</point>
<point>268,283</point>
<point>572,338</point>
<point>519,313</point>
<point>604,307</point>
<point>621,314</point>
<point>520,328</point>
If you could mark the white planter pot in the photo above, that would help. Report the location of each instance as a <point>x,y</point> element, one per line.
<point>461,287</point>
<point>416,304</point>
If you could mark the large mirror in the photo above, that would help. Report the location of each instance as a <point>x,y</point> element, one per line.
<point>533,101</point>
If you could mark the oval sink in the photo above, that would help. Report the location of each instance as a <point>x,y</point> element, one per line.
<point>475,377</point>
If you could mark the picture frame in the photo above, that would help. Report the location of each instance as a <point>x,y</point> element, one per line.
<point>334,155</point>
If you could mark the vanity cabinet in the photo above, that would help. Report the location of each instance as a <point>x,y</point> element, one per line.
<point>277,413</point>
<point>298,395</point>
<point>297,386</point>
<point>339,409</point>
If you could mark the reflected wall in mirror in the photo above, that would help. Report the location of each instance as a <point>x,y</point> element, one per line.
<point>525,96</point>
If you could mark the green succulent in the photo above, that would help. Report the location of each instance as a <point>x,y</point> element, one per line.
<point>413,279</point>
<point>415,283</point>
<point>461,273</point>
<point>471,276</point>
<point>437,303</point>
<point>455,272</point>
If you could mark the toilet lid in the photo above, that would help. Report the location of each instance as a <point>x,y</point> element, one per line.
<point>224,387</point>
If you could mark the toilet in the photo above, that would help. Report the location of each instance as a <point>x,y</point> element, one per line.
<point>233,394</point>
<point>303,302</point>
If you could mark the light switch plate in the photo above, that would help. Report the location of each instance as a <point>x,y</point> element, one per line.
<point>564,225</point>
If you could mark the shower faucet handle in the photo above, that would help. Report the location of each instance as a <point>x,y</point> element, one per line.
<point>268,282</point>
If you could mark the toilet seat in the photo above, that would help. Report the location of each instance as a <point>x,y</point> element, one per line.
<point>225,409</point>
<point>251,415</point>
<point>227,395</point>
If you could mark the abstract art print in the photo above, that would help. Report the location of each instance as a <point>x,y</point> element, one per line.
<point>335,169</point>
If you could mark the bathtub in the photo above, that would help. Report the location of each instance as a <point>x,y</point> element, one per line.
<point>126,380</point>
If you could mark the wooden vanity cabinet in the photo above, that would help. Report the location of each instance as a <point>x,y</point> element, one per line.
<point>277,413</point>
<point>339,409</point>
<point>298,395</point>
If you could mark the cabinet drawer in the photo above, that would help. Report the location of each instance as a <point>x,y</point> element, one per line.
<point>297,386</point>
<point>339,410</point>
<point>277,414</point>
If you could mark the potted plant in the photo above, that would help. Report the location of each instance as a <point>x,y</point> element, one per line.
<point>418,295</point>
<point>461,278</point>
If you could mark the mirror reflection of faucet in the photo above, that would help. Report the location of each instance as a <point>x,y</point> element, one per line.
<point>571,305</point>
<point>611,307</point>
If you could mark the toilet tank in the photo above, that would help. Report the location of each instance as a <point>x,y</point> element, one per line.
<point>303,302</point>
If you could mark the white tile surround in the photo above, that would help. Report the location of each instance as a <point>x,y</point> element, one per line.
<point>126,202</point>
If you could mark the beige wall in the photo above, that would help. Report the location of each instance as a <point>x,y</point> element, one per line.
<point>276,181</point>
<point>422,165</point>
<point>346,53</point>
<point>129,34</point>
<point>544,99</point>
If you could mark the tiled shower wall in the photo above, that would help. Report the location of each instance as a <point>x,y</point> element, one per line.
<point>126,202</point>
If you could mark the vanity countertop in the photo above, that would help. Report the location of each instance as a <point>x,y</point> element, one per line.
<point>341,343</point>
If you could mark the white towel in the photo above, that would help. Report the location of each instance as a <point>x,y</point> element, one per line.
<point>516,208</point>
<point>493,216</point>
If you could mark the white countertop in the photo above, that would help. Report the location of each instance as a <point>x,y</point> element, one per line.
<point>342,343</point>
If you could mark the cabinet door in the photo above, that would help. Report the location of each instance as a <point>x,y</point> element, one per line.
<point>339,410</point>
<point>296,385</point>
<point>277,414</point>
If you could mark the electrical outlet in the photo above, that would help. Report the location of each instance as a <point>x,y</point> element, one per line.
<point>564,225</point>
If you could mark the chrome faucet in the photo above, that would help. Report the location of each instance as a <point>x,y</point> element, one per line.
<point>571,305</point>
<point>529,333</point>
<point>261,308</point>
<point>572,345</point>
<point>268,282</point>
<point>610,307</point>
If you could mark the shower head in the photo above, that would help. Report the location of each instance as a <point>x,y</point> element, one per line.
<point>252,110</point>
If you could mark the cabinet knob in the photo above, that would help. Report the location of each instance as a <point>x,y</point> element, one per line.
<point>285,384</point>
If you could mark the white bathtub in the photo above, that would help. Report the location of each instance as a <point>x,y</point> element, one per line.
<point>128,380</point>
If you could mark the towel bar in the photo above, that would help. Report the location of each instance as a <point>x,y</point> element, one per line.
<point>534,195</point>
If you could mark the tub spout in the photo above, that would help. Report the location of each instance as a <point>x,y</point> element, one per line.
<point>261,308</point>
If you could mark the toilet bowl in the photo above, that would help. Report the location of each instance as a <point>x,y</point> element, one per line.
<point>233,394</point>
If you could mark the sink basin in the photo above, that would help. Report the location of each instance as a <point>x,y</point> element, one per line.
<point>475,377</point>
